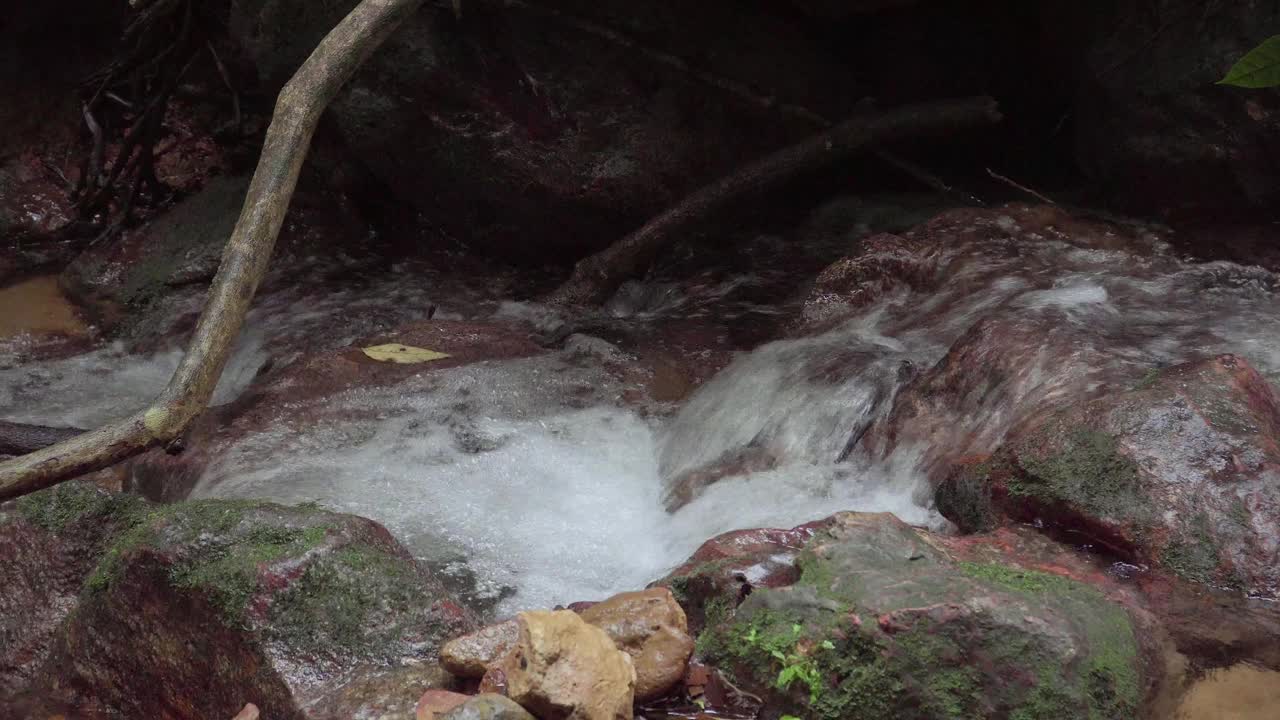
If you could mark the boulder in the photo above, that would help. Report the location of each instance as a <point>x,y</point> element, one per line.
<point>1180,471</point>
<point>487,124</point>
<point>487,707</point>
<point>650,626</point>
<point>886,620</point>
<point>471,655</point>
<point>566,669</point>
<point>192,609</point>
<point>122,283</point>
<point>1153,128</point>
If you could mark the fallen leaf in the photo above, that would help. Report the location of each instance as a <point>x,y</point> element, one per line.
<point>397,353</point>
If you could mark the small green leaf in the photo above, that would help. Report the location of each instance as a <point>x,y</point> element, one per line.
<point>788,717</point>
<point>828,645</point>
<point>1259,68</point>
<point>795,629</point>
<point>778,654</point>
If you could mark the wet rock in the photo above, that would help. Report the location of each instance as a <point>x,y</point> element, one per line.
<point>728,567</point>
<point>1152,127</point>
<point>191,608</point>
<point>650,626</point>
<point>183,245</point>
<point>1179,471</point>
<point>890,621</point>
<point>487,124</point>
<point>488,707</point>
<point>435,703</point>
<point>564,668</point>
<point>471,655</point>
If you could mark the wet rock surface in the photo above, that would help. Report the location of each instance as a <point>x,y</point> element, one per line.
<point>650,626</point>
<point>242,600</point>
<point>1179,471</point>
<point>887,620</point>
<point>471,655</point>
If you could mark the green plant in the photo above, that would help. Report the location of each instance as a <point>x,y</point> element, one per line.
<point>1259,68</point>
<point>796,664</point>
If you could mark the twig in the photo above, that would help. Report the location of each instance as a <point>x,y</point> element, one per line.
<point>596,276</point>
<point>1021,187</point>
<point>927,178</point>
<point>226,79</point>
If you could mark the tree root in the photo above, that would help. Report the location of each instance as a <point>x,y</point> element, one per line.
<point>244,261</point>
<point>595,277</point>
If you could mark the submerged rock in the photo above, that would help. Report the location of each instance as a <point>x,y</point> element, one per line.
<point>435,703</point>
<point>487,707</point>
<point>566,669</point>
<point>889,621</point>
<point>195,608</point>
<point>1179,471</point>
<point>650,626</point>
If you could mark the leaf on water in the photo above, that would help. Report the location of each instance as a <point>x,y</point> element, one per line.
<point>1260,68</point>
<point>397,353</point>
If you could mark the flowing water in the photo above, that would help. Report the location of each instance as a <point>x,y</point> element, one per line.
<point>533,479</point>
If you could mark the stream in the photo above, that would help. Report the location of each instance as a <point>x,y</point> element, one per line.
<point>530,479</point>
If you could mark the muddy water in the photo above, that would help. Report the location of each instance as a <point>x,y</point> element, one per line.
<point>37,306</point>
<point>1240,692</point>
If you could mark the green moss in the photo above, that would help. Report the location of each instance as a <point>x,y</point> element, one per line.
<point>64,504</point>
<point>230,573</point>
<point>358,599</point>
<point>1016,579</point>
<point>1088,473</point>
<point>1109,685</point>
<point>216,556</point>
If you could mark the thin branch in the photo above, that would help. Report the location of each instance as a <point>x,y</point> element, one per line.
<point>1019,186</point>
<point>244,261</point>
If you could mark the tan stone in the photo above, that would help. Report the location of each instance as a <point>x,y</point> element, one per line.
<point>650,626</point>
<point>565,669</point>
<point>471,655</point>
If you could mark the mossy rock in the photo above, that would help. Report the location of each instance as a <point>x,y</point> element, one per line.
<point>884,622</point>
<point>191,608</point>
<point>1176,472</point>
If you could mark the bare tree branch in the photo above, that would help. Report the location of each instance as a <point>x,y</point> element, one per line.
<point>595,277</point>
<point>244,261</point>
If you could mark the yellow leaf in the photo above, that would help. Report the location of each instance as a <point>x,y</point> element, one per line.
<point>397,353</point>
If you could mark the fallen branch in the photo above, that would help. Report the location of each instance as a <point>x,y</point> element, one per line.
<point>19,438</point>
<point>244,261</point>
<point>595,277</point>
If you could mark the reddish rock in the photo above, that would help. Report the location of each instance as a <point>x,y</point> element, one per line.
<point>435,703</point>
<point>1182,471</point>
<point>728,567</point>
<point>189,609</point>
